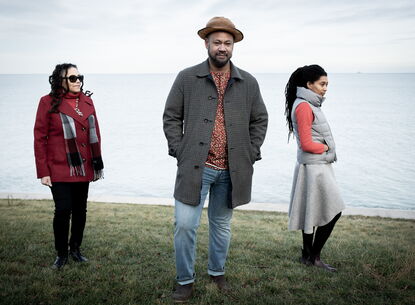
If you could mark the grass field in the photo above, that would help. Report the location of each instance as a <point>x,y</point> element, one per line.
<point>130,248</point>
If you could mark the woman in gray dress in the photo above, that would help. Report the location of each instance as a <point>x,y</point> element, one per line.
<point>316,203</point>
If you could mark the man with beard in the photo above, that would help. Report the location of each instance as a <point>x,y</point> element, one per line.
<point>215,123</point>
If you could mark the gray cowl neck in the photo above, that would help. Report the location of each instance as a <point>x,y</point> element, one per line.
<point>310,96</point>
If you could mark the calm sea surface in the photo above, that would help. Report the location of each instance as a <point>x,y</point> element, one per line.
<point>372,117</point>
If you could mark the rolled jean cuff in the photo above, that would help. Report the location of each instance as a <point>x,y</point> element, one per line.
<point>215,273</point>
<point>186,282</point>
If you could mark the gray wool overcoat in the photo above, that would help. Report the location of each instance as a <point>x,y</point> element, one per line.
<point>188,120</point>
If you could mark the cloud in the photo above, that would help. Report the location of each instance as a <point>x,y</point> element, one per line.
<point>160,35</point>
<point>358,14</point>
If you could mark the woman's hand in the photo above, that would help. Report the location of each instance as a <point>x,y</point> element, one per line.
<point>46,181</point>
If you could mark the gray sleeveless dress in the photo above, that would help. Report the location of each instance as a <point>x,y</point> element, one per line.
<point>315,196</point>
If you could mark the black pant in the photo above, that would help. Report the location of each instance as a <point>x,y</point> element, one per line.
<point>70,199</point>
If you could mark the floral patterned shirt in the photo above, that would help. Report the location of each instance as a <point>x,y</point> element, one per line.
<point>218,153</point>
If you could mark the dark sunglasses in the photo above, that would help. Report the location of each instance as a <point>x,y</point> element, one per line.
<point>74,78</point>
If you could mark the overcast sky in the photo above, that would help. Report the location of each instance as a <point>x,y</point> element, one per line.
<point>159,36</point>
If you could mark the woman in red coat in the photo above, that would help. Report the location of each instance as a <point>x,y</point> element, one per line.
<point>68,156</point>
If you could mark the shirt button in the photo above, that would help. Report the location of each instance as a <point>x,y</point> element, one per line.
<point>83,144</point>
<point>83,128</point>
<point>83,159</point>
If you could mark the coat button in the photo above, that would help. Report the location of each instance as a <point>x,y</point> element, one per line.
<point>196,166</point>
<point>206,120</point>
<point>83,159</point>
<point>201,143</point>
<point>83,128</point>
<point>83,144</point>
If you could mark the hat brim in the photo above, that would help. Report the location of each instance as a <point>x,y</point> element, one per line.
<point>237,35</point>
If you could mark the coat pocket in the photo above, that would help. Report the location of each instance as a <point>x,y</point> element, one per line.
<point>252,154</point>
<point>180,150</point>
<point>331,153</point>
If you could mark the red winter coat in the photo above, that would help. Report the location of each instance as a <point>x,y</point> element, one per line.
<point>50,153</point>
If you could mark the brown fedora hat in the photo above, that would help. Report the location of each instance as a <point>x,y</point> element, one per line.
<point>221,24</point>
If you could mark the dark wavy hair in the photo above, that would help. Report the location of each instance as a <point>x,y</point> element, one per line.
<point>57,91</point>
<point>299,78</point>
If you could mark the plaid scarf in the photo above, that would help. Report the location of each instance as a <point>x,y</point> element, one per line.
<point>76,165</point>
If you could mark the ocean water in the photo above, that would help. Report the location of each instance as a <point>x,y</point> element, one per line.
<point>372,117</point>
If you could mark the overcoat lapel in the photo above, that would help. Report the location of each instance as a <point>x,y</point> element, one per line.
<point>85,106</point>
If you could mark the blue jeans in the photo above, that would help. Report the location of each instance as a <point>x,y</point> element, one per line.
<point>187,220</point>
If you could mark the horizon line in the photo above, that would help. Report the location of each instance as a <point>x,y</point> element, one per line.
<point>134,73</point>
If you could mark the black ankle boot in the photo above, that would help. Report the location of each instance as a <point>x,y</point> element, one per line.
<point>305,257</point>
<point>60,261</point>
<point>77,256</point>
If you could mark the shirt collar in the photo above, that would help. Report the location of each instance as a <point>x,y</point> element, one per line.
<point>204,70</point>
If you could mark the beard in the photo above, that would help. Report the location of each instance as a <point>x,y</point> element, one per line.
<point>219,63</point>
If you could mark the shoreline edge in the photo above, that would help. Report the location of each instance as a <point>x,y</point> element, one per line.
<point>252,206</point>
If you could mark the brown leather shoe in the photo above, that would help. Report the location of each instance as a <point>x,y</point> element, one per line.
<point>319,263</point>
<point>221,283</point>
<point>182,293</point>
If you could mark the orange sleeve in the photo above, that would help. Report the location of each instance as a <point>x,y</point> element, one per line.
<point>305,117</point>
